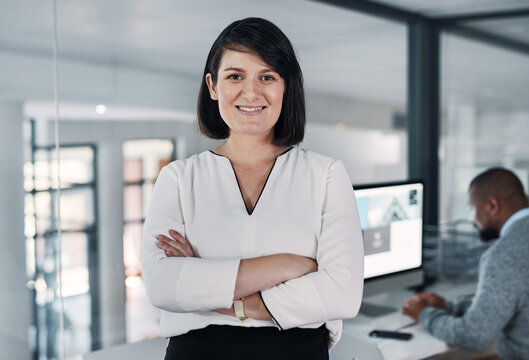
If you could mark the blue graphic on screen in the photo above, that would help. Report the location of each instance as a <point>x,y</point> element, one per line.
<point>379,209</point>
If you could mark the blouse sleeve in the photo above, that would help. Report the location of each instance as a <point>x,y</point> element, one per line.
<point>335,290</point>
<point>181,284</point>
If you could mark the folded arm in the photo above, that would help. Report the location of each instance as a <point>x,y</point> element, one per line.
<point>335,290</point>
<point>254,274</point>
<point>178,281</point>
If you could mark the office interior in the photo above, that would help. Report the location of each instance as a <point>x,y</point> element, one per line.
<point>396,89</point>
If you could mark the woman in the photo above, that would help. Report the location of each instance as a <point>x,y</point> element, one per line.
<point>254,249</point>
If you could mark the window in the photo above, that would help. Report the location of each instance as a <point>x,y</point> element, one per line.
<point>142,162</point>
<point>78,252</point>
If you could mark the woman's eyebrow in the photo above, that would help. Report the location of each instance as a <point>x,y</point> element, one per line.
<point>266,70</point>
<point>234,69</point>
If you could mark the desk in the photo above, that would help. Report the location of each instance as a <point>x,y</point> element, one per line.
<point>356,343</point>
<point>354,337</point>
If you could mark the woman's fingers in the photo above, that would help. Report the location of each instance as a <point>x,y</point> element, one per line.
<point>177,244</point>
<point>169,250</point>
<point>171,245</point>
<point>185,246</point>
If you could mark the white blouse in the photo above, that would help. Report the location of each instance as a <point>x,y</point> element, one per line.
<point>307,207</point>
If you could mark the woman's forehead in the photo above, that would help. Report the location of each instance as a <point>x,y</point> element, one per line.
<point>242,58</point>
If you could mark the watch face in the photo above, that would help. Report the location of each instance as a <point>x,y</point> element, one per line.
<point>239,310</point>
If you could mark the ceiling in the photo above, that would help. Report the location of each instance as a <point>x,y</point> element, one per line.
<point>516,29</point>
<point>341,51</point>
<point>456,7</point>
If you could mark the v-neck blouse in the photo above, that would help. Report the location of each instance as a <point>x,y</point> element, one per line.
<point>264,185</point>
<point>307,207</point>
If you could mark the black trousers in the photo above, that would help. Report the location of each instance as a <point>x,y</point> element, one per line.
<point>249,343</point>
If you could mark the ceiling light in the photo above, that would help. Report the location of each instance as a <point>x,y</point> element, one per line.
<point>101,109</point>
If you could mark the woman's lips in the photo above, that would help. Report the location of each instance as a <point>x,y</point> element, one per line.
<point>251,110</point>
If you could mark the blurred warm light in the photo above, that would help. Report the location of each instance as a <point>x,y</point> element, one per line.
<point>133,281</point>
<point>75,281</point>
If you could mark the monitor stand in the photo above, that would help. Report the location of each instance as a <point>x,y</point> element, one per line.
<point>375,310</point>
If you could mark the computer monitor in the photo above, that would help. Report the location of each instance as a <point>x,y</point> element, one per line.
<point>391,215</point>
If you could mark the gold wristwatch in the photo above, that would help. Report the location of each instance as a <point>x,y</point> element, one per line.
<point>239,309</point>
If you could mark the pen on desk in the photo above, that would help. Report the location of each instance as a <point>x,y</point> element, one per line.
<point>407,325</point>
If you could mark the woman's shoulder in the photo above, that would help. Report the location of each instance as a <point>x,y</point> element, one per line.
<point>314,159</point>
<point>196,160</point>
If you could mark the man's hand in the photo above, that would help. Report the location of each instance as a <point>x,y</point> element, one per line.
<point>432,299</point>
<point>413,307</point>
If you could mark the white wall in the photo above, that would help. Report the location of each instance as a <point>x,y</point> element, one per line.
<point>368,155</point>
<point>15,305</point>
<point>27,77</point>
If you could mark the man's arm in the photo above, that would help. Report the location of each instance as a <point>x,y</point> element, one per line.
<point>413,306</point>
<point>458,307</point>
<point>492,307</point>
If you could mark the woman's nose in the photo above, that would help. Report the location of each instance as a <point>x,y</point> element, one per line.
<point>251,90</point>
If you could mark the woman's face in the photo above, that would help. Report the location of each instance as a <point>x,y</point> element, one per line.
<point>249,93</point>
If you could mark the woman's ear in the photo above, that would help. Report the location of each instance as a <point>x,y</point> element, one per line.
<point>211,87</point>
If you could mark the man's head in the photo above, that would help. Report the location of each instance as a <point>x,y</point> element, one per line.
<point>494,196</point>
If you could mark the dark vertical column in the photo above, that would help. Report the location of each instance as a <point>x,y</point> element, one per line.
<point>93,265</point>
<point>423,111</point>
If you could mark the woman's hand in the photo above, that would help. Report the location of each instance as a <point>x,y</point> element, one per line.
<point>176,246</point>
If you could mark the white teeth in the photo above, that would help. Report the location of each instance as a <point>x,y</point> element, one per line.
<point>244,108</point>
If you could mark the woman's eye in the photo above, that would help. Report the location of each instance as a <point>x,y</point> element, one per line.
<point>235,77</point>
<point>267,77</point>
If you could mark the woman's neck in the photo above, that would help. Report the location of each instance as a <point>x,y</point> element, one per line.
<point>248,152</point>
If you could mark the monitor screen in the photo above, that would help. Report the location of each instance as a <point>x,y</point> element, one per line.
<point>391,216</point>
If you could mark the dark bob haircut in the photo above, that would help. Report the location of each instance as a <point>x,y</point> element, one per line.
<point>270,44</point>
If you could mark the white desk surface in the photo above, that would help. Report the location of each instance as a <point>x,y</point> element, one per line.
<point>422,344</point>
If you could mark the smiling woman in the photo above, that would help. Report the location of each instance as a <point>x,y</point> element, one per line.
<point>253,249</point>
<point>249,94</point>
<point>268,52</point>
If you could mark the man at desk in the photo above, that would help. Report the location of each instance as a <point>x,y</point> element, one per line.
<point>500,308</point>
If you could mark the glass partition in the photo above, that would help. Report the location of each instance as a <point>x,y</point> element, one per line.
<point>140,67</point>
<point>128,77</point>
<point>485,117</point>
<point>127,82</point>
<point>27,285</point>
